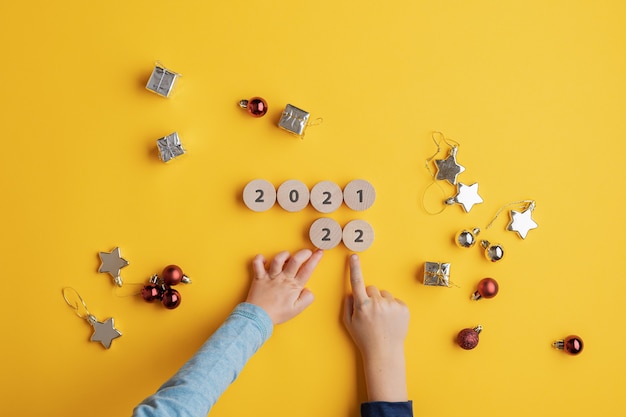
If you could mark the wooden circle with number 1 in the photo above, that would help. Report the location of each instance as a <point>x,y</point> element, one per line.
<point>259,195</point>
<point>358,235</point>
<point>359,195</point>
<point>325,233</point>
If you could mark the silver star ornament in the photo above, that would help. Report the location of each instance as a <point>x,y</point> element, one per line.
<point>104,332</point>
<point>449,169</point>
<point>112,262</point>
<point>522,222</point>
<point>467,196</point>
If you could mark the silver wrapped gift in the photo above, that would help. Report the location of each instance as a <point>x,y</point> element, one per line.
<point>170,147</point>
<point>162,80</point>
<point>294,120</point>
<point>437,274</point>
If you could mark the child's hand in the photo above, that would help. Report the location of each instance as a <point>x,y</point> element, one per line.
<point>280,290</point>
<point>378,324</point>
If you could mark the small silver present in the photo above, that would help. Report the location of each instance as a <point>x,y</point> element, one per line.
<point>437,274</point>
<point>170,147</point>
<point>162,80</point>
<point>294,120</point>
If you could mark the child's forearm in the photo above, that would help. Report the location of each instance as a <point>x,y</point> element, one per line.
<point>385,375</point>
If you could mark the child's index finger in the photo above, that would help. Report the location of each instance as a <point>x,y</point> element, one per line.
<point>356,280</point>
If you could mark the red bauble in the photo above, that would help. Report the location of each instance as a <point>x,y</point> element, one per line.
<point>151,292</point>
<point>573,345</point>
<point>172,275</point>
<point>171,298</point>
<point>256,107</point>
<point>468,338</point>
<point>487,288</point>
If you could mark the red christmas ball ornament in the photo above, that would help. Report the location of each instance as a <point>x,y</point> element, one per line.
<point>487,288</point>
<point>572,345</point>
<point>172,275</point>
<point>256,106</point>
<point>152,292</point>
<point>171,298</point>
<point>468,338</point>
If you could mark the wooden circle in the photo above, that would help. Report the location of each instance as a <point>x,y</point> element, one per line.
<point>326,196</point>
<point>259,195</point>
<point>325,233</point>
<point>358,235</point>
<point>359,195</point>
<point>293,195</point>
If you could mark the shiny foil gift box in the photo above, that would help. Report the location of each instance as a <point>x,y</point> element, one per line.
<point>170,147</point>
<point>294,120</point>
<point>162,81</point>
<point>437,274</point>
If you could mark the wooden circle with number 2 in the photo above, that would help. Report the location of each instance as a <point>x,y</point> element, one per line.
<point>325,233</point>
<point>259,195</point>
<point>358,235</point>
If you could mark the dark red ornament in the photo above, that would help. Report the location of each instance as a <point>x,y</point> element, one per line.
<point>172,275</point>
<point>572,345</point>
<point>171,298</point>
<point>152,292</point>
<point>487,288</point>
<point>468,338</point>
<point>256,106</point>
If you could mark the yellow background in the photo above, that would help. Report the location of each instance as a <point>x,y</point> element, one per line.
<point>534,92</point>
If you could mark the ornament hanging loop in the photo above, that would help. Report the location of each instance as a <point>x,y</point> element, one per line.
<point>81,309</point>
<point>443,193</point>
<point>530,206</point>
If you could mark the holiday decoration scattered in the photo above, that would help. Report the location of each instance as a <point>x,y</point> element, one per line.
<point>160,288</point>
<point>104,332</point>
<point>111,263</point>
<point>522,222</point>
<point>437,274</point>
<point>256,106</point>
<point>493,252</point>
<point>294,120</point>
<point>170,147</point>
<point>466,196</point>
<point>468,338</point>
<point>572,345</point>
<point>448,169</point>
<point>487,288</point>
<point>466,238</point>
<point>162,80</point>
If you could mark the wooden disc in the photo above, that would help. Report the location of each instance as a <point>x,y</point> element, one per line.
<point>325,233</point>
<point>293,195</point>
<point>359,195</point>
<point>358,235</point>
<point>259,195</point>
<point>326,196</point>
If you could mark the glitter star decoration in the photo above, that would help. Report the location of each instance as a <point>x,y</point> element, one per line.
<point>522,222</point>
<point>449,169</point>
<point>112,263</point>
<point>104,332</point>
<point>467,196</point>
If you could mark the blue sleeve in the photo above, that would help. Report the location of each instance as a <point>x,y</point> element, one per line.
<point>194,389</point>
<point>387,409</point>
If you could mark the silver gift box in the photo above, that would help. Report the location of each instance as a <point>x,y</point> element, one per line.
<point>294,120</point>
<point>170,147</point>
<point>437,274</point>
<point>162,81</point>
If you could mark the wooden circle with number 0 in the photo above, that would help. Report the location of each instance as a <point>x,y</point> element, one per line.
<point>359,195</point>
<point>325,233</point>
<point>358,235</point>
<point>293,195</point>
<point>259,195</point>
<point>326,196</point>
